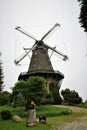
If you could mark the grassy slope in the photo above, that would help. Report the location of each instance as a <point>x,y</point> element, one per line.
<point>48,110</point>
<point>51,121</point>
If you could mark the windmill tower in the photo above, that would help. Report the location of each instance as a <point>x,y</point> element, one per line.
<point>40,64</point>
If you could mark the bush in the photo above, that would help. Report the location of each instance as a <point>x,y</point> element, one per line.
<point>6,114</point>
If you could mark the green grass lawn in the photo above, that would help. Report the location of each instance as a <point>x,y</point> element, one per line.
<point>55,116</point>
<point>11,125</point>
<point>51,121</point>
<point>52,113</point>
<point>47,110</point>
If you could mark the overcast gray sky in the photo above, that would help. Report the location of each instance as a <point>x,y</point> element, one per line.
<point>37,16</point>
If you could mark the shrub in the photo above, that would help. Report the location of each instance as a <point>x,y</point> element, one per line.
<point>6,114</point>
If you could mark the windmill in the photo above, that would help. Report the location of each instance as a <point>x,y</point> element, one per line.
<point>40,63</point>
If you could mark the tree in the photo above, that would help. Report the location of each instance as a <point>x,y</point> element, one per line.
<point>4,98</point>
<point>71,96</point>
<point>83,14</point>
<point>37,88</point>
<point>19,91</point>
<point>19,87</point>
<point>1,78</point>
<point>54,89</point>
<point>31,90</point>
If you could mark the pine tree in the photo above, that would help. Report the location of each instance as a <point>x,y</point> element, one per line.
<point>1,78</point>
<point>83,14</point>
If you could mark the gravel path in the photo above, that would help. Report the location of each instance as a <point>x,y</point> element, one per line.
<point>79,124</point>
